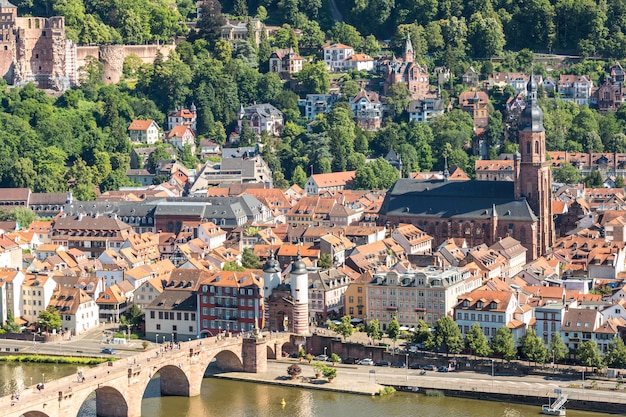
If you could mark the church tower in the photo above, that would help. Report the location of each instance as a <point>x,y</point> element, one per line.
<point>408,55</point>
<point>533,179</point>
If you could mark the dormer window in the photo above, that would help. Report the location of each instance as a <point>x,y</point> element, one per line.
<point>466,303</point>
<point>493,305</point>
<point>479,304</point>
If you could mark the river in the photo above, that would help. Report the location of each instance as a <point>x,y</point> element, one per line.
<point>221,398</point>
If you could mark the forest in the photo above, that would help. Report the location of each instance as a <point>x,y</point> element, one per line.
<point>79,139</point>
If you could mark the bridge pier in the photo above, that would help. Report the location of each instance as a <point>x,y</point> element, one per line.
<point>254,355</point>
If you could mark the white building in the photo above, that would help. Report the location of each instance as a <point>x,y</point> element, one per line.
<point>37,291</point>
<point>335,56</point>
<point>144,131</point>
<point>78,311</point>
<point>10,289</point>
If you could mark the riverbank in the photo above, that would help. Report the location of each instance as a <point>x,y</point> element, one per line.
<point>370,380</point>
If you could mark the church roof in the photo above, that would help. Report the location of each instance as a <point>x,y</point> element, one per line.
<point>456,199</point>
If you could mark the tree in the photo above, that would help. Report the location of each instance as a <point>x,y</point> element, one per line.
<point>250,260</point>
<point>619,181</point>
<point>345,327</point>
<point>504,343</point>
<point>350,88</point>
<point>375,175</point>
<point>233,266</point>
<point>393,330</point>
<point>422,333</point>
<point>558,349</point>
<point>616,353</point>
<point>477,342</point>
<point>532,347</point>
<point>398,98</point>
<point>49,319</point>
<point>10,326</point>
<point>588,354</point>
<point>594,180</point>
<point>299,177</point>
<point>346,34</point>
<point>448,335</point>
<point>314,78</point>
<point>567,174</point>
<point>485,36</point>
<point>372,329</point>
<point>211,21</point>
<point>325,261</point>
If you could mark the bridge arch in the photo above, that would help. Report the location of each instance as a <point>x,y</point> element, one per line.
<point>288,347</point>
<point>174,381</point>
<point>34,414</point>
<point>227,360</point>
<point>109,402</point>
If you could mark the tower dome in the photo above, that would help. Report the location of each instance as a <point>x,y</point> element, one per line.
<point>299,267</point>
<point>271,265</point>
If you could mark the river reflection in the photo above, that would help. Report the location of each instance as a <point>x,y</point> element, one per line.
<point>222,398</point>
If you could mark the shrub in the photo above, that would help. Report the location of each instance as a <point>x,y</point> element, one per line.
<point>386,391</point>
<point>335,358</point>
<point>294,370</point>
<point>329,372</point>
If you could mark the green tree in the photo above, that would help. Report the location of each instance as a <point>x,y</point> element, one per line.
<point>24,216</point>
<point>567,174</point>
<point>250,260</point>
<point>325,261</point>
<point>210,23</point>
<point>345,328</point>
<point>372,329</point>
<point>485,36</point>
<point>49,319</point>
<point>393,329</point>
<point>594,180</point>
<point>616,353</point>
<point>233,266</point>
<point>532,347</point>
<point>619,181</point>
<point>558,349</point>
<point>398,98</point>
<point>314,78</point>
<point>448,335</point>
<point>350,88</point>
<point>312,36</point>
<point>299,176</point>
<point>422,333</point>
<point>346,34</point>
<point>588,354</point>
<point>504,343</point>
<point>10,326</point>
<point>477,342</point>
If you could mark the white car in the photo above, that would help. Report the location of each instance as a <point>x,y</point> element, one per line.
<point>366,361</point>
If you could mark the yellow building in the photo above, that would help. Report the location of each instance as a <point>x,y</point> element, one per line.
<point>355,297</point>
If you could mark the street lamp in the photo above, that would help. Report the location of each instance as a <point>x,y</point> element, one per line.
<point>156,339</point>
<point>492,374</point>
<point>172,337</point>
<point>43,378</point>
<point>325,350</point>
<point>163,339</point>
<point>406,364</point>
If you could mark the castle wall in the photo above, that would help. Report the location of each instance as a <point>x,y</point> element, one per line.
<point>112,57</point>
<point>7,42</point>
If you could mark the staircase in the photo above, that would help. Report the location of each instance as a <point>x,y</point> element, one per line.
<point>559,402</point>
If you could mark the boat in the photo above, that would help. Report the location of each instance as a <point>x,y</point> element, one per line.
<point>556,408</point>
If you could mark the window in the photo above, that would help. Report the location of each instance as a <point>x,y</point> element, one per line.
<point>158,326</point>
<point>190,329</point>
<point>152,314</point>
<point>174,328</point>
<point>359,290</point>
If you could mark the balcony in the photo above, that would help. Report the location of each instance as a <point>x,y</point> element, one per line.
<point>392,308</point>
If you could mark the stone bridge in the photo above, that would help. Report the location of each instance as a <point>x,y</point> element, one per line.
<point>120,385</point>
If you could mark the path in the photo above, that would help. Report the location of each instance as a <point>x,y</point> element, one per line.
<point>334,11</point>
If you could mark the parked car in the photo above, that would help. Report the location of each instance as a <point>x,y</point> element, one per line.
<point>350,360</point>
<point>398,364</point>
<point>108,351</point>
<point>366,361</point>
<point>443,369</point>
<point>323,358</point>
<point>382,363</point>
<point>415,366</point>
<point>428,368</point>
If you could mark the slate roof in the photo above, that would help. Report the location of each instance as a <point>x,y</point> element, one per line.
<point>5,4</point>
<point>455,199</point>
<point>175,300</point>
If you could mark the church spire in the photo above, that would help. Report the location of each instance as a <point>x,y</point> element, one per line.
<point>409,54</point>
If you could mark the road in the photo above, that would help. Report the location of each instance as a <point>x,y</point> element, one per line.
<point>334,11</point>
<point>89,343</point>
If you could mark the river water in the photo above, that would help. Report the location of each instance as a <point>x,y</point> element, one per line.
<point>222,398</point>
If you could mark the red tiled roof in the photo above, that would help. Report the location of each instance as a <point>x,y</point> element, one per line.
<point>140,124</point>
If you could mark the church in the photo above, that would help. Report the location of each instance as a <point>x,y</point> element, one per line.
<point>485,211</point>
